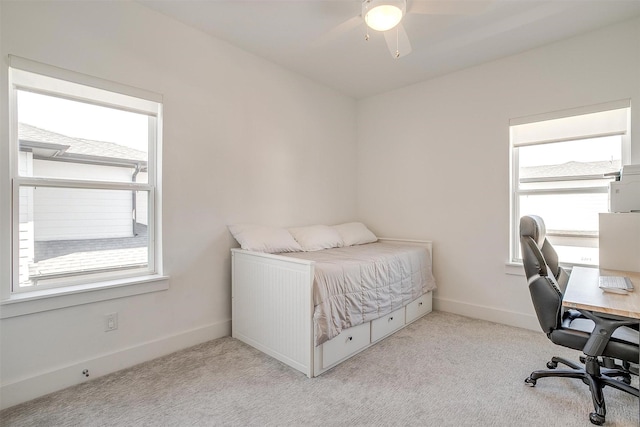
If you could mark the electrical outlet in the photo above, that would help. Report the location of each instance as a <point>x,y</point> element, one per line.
<point>111,322</point>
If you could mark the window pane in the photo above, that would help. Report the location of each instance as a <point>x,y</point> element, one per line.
<point>76,140</point>
<point>571,221</point>
<point>71,231</point>
<point>575,254</point>
<point>569,164</point>
<point>576,214</point>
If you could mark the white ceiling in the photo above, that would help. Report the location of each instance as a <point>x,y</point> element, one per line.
<point>324,39</point>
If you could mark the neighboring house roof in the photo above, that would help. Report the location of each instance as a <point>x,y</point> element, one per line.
<point>55,257</point>
<point>570,169</point>
<point>48,144</point>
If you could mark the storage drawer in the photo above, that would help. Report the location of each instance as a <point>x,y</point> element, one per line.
<point>385,325</point>
<point>348,342</point>
<point>418,307</point>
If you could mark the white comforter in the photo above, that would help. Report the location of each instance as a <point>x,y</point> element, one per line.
<point>357,284</point>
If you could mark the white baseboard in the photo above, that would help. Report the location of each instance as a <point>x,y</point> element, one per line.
<point>58,379</point>
<point>491,314</point>
<point>39,385</point>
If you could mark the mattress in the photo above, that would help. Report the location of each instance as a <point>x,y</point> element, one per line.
<point>357,284</point>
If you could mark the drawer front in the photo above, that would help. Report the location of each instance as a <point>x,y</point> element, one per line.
<point>385,325</point>
<point>348,342</point>
<point>419,307</point>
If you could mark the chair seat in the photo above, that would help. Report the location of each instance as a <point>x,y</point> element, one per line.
<point>575,333</point>
<point>623,333</point>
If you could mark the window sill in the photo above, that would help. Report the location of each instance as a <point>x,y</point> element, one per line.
<point>514,268</point>
<point>53,299</point>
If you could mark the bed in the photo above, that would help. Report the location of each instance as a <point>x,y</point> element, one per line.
<point>313,309</point>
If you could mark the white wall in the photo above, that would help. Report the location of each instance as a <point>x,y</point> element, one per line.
<point>433,158</point>
<point>244,141</point>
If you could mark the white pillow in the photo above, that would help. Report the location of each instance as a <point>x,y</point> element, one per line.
<point>355,233</point>
<point>261,238</point>
<point>316,237</point>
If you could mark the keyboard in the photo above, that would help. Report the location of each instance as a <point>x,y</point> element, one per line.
<point>615,284</point>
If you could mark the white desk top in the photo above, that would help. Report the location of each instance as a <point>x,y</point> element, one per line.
<point>583,292</point>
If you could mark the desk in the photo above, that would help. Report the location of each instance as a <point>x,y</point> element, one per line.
<point>583,292</point>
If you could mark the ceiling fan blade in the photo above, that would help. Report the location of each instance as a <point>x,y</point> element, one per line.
<point>398,41</point>
<point>339,30</point>
<point>448,7</point>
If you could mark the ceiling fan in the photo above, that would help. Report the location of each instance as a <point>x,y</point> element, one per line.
<point>386,16</point>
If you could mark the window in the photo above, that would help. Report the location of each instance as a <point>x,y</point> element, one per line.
<point>561,166</point>
<point>84,176</point>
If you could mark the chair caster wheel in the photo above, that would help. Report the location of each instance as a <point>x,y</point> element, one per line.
<point>530,381</point>
<point>552,365</point>
<point>596,419</point>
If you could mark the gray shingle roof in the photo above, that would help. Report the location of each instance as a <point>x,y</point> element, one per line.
<point>570,169</point>
<point>55,257</point>
<point>78,146</point>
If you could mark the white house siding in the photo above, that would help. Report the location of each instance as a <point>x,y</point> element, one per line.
<point>142,202</point>
<point>70,214</point>
<point>26,251</point>
<point>66,214</point>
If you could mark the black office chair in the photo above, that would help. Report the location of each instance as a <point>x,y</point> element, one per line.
<point>598,337</point>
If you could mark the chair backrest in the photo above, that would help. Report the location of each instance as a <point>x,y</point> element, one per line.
<point>547,280</point>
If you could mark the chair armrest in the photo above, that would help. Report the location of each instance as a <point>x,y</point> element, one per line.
<point>602,331</point>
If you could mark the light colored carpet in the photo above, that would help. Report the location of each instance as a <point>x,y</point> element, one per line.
<point>443,370</point>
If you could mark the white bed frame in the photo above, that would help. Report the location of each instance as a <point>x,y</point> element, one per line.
<point>272,310</point>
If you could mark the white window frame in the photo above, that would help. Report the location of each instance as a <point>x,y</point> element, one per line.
<point>68,291</point>
<point>623,129</point>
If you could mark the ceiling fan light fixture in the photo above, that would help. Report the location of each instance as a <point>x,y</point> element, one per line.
<point>383,15</point>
